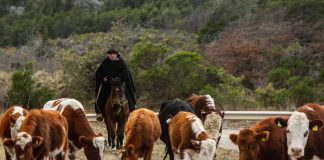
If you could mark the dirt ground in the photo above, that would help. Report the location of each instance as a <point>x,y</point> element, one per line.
<point>158,152</point>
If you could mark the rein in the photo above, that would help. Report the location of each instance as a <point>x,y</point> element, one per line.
<point>119,102</point>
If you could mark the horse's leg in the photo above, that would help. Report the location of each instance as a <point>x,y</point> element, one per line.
<point>108,130</point>
<point>112,133</point>
<point>120,134</point>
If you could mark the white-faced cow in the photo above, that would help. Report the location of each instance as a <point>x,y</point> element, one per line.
<point>10,123</point>
<point>305,134</point>
<point>189,139</point>
<point>81,135</point>
<point>42,135</point>
<point>142,130</point>
<point>261,141</point>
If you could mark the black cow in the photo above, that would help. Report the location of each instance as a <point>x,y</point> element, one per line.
<point>168,110</point>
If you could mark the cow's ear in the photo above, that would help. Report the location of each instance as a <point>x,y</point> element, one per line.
<point>85,140</point>
<point>37,141</point>
<point>315,125</point>
<point>281,122</point>
<point>8,143</point>
<point>262,136</point>
<point>99,135</point>
<point>233,138</point>
<point>130,150</point>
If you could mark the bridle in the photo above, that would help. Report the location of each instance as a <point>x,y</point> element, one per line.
<point>118,101</point>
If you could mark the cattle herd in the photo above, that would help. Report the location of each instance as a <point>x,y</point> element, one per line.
<point>190,129</point>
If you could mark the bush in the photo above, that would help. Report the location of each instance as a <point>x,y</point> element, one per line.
<point>311,10</point>
<point>227,90</point>
<point>23,90</point>
<point>185,72</point>
<point>269,96</point>
<point>303,90</point>
<point>278,77</point>
<point>145,55</point>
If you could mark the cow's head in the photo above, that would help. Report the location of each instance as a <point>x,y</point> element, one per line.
<point>93,147</point>
<point>25,144</point>
<point>249,142</point>
<point>17,122</point>
<point>297,130</point>
<point>128,153</point>
<point>206,149</point>
<point>16,117</point>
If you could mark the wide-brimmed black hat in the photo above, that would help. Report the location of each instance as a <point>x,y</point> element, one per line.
<point>112,51</point>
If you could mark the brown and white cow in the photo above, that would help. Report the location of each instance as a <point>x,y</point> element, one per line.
<point>305,134</point>
<point>261,141</point>
<point>189,139</point>
<point>10,123</point>
<point>142,130</point>
<point>42,135</point>
<point>81,135</point>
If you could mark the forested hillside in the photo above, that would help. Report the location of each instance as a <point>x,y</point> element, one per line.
<point>264,54</point>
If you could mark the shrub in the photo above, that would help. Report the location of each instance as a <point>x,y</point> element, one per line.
<point>23,90</point>
<point>303,90</point>
<point>278,77</point>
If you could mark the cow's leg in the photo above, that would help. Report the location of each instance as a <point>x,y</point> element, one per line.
<point>148,152</point>
<point>72,151</point>
<point>176,156</point>
<point>72,155</point>
<point>169,148</point>
<point>60,156</point>
<point>7,155</point>
<point>186,155</point>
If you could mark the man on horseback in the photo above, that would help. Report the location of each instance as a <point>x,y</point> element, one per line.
<point>116,69</point>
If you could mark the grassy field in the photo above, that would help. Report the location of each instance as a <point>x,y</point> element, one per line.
<point>158,152</point>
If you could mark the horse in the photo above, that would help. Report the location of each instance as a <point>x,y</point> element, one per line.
<point>115,114</point>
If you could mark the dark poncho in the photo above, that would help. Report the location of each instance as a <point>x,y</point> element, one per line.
<point>112,69</point>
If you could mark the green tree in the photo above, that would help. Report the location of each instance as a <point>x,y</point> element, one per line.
<point>186,73</point>
<point>145,55</point>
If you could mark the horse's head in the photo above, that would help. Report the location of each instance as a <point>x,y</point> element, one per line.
<point>118,99</point>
